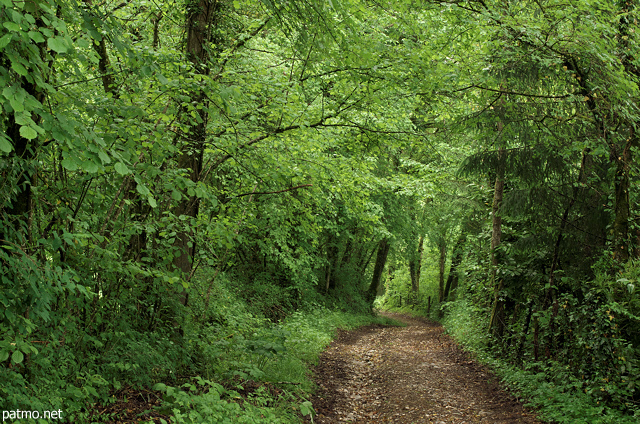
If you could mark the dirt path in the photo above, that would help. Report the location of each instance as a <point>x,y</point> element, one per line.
<point>414,374</point>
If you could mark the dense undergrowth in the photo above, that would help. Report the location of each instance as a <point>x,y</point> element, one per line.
<point>271,360</point>
<point>226,359</point>
<point>586,365</point>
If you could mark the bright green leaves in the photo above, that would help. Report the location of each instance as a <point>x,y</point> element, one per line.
<point>69,164</point>
<point>104,157</point>
<point>28,132</point>
<point>19,68</point>
<point>17,357</point>
<point>142,189</point>
<point>11,26</point>
<point>58,44</point>
<point>36,36</point>
<point>145,192</point>
<point>122,169</point>
<point>19,101</point>
<point>4,40</point>
<point>17,345</point>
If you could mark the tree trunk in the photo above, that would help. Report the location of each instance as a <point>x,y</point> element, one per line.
<point>201,19</point>
<point>622,157</point>
<point>415,266</point>
<point>496,325</point>
<point>551,295</point>
<point>332,263</point>
<point>525,330</point>
<point>20,210</point>
<point>104,67</point>
<point>381,260</point>
<point>366,259</point>
<point>456,260</point>
<point>442,262</point>
<point>156,30</point>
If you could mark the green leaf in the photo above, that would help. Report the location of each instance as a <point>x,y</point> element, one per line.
<point>12,26</point>
<point>4,355</point>
<point>83,42</point>
<point>28,132</point>
<point>160,387</point>
<point>16,105</point>
<point>57,44</point>
<point>22,118</point>
<point>152,201</point>
<point>142,189</point>
<point>200,192</point>
<point>69,164</point>
<point>5,40</point>
<point>90,167</point>
<point>17,357</point>
<point>104,157</point>
<point>20,70</point>
<point>5,145</point>
<point>36,36</point>
<point>122,169</point>
<point>162,79</point>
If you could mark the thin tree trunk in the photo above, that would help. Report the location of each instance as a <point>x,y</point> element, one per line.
<point>622,185</point>
<point>536,338</point>
<point>525,330</point>
<point>104,66</point>
<point>442,262</point>
<point>332,262</point>
<point>378,269</point>
<point>555,260</point>
<point>456,260</point>
<point>156,30</point>
<point>496,325</point>
<point>415,266</point>
<point>365,262</point>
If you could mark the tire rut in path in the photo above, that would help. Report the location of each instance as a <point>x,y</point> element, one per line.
<point>414,374</point>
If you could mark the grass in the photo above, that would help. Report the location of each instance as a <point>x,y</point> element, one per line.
<point>281,371</point>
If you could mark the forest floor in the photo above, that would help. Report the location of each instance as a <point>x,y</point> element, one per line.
<point>413,374</point>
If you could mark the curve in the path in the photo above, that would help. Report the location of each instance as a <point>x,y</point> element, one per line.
<point>413,375</point>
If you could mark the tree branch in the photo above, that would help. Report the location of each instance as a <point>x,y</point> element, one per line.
<point>273,192</point>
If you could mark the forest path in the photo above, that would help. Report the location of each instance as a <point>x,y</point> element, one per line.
<point>414,374</point>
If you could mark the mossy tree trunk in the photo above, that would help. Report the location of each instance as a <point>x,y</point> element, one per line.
<point>202,16</point>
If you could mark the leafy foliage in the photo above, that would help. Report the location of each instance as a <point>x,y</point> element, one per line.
<point>180,180</point>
